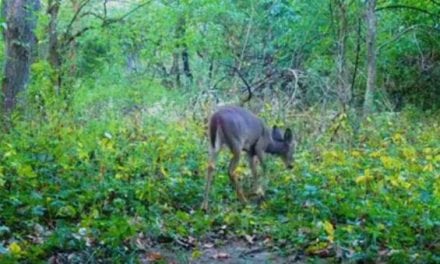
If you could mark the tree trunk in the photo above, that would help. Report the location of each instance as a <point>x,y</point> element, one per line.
<point>54,56</point>
<point>343,82</point>
<point>180,34</point>
<point>371,57</point>
<point>175,70</point>
<point>73,45</point>
<point>185,62</point>
<point>21,18</point>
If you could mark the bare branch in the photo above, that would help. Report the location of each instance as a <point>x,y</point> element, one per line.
<point>100,17</point>
<point>403,32</point>
<point>105,20</point>
<point>78,34</point>
<point>75,17</point>
<point>407,7</point>
<point>248,86</point>
<point>132,11</point>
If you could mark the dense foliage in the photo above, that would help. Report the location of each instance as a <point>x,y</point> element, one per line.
<point>94,187</point>
<point>104,158</point>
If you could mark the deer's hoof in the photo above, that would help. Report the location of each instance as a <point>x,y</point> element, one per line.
<point>260,200</point>
<point>242,199</point>
<point>204,207</point>
<point>259,192</point>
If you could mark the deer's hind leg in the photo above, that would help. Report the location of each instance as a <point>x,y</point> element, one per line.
<point>213,152</point>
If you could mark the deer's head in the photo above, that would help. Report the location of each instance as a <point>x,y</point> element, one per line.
<point>285,145</point>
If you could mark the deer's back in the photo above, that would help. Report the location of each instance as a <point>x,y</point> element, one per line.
<point>236,127</point>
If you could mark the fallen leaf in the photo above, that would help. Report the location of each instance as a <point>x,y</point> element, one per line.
<point>208,245</point>
<point>191,240</point>
<point>154,256</point>
<point>267,241</point>
<point>249,239</point>
<point>221,255</point>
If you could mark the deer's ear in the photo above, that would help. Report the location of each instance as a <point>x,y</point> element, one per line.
<point>276,134</point>
<point>288,136</point>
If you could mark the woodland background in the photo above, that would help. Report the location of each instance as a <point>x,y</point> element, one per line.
<point>104,106</point>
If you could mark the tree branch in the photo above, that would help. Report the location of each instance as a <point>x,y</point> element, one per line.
<point>78,34</point>
<point>407,7</point>
<point>401,34</point>
<point>249,88</point>
<point>435,2</point>
<point>75,16</point>
<point>105,20</point>
<point>100,17</point>
<point>130,12</point>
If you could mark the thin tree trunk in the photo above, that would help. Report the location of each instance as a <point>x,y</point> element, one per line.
<point>54,56</point>
<point>73,45</point>
<point>185,62</point>
<point>371,58</point>
<point>175,69</point>
<point>21,18</point>
<point>180,33</point>
<point>343,82</point>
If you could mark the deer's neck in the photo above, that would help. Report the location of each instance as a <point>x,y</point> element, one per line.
<point>275,147</point>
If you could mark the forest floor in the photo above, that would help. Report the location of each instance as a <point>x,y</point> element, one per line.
<point>121,194</point>
<point>233,251</point>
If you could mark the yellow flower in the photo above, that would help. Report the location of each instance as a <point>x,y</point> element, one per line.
<point>409,153</point>
<point>119,176</point>
<point>196,254</point>
<point>348,229</point>
<point>26,171</point>
<point>399,181</point>
<point>333,157</point>
<point>355,153</point>
<point>427,151</point>
<point>390,163</point>
<point>437,187</point>
<point>367,177</point>
<point>398,138</point>
<point>15,248</point>
<point>428,168</point>
<point>317,247</point>
<point>329,229</point>
<point>376,154</point>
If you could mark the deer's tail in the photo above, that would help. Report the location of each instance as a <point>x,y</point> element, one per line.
<point>214,130</point>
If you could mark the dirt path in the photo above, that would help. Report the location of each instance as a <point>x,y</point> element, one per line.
<point>228,252</point>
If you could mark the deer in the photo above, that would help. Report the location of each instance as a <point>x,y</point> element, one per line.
<point>241,130</point>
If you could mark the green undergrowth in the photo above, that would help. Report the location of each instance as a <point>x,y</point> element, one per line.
<point>95,188</point>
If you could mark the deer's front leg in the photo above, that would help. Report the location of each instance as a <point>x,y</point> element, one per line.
<point>256,186</point>
<point>234,177</point>
<point>259,191</point>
